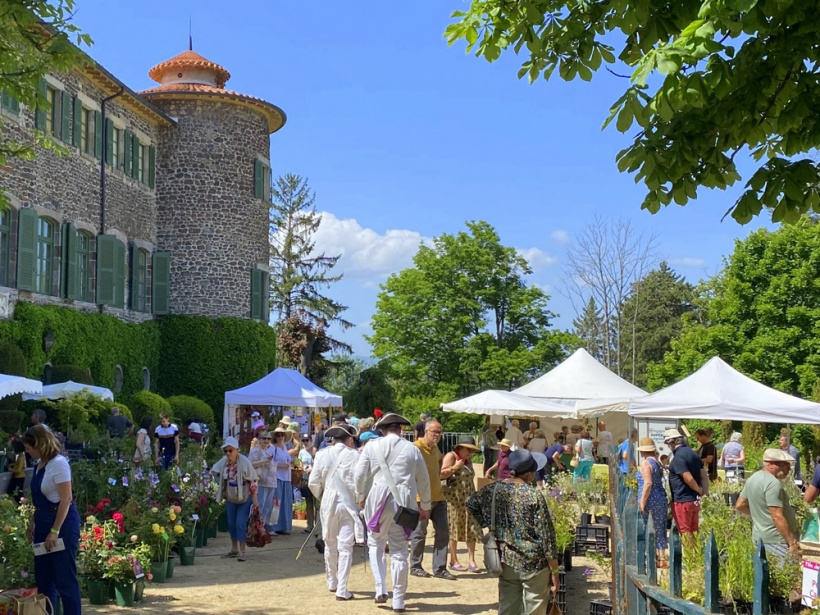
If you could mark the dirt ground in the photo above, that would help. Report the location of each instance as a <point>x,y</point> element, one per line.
<point>272,582</point>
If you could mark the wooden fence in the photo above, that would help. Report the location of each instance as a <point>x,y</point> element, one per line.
<point>634,570</point>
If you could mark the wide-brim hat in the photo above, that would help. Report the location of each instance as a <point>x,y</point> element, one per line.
<point>339,418</point>
<point>522,461</point>
<point>776,454</point>
<point>294,428</point>
<point>467,442</point>
<point>647,445</point>
<point>505,442</point>
<point>285,419</point>
<point>280,430</point>
<point>230,441</point>
<point>671,434</point>
<point>391,418</point>
<point>339,431</point>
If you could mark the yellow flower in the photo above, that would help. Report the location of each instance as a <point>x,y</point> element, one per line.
<point>172,517</point>
<point>179,529</point>
<point>155,509</point>
<point>156,528</point>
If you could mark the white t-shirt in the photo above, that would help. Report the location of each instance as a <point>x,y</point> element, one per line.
<point>604,443</point>
<point>57,471</point>
<point>514,435</point>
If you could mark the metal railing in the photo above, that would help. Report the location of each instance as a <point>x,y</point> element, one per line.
<point>448,441</point>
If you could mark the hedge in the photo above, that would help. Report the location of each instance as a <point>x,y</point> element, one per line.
<point>145,404</point>
<point>185,408</point>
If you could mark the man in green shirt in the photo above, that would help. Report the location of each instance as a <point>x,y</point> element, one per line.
<point>764,500</point>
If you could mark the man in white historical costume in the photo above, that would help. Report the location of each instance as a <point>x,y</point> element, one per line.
<point>331,480</point>
<point>408,478</point>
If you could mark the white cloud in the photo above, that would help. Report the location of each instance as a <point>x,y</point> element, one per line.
<point>688,261</point>
<point>560,236</point>
<point>366,254</point>
<point>537,258</point>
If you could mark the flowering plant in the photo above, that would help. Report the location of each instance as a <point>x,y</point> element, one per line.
<point>96,547</point>
<point>124,562</point>
<point>15,548</point>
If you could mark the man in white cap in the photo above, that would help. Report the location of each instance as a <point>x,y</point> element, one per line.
<point>331,480</point>
<point>386,466</point>
<point>764,500</point>
<point>684,476</point>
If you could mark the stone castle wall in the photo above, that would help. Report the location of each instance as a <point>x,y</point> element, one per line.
<point>207,216</point>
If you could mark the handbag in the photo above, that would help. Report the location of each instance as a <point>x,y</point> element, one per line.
<point>257,535</point>
<point>492,557</point>
<point>273,517</point>
<point>574,462</point>
<point>408,518</point>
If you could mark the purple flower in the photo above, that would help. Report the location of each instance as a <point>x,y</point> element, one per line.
<point>588,572</point>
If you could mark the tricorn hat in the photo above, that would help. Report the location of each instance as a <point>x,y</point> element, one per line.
<point>339,431</point>
<point>391,418</point>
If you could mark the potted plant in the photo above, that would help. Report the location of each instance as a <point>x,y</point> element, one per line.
<point>187,544</point>
<point>124,569</point>
<point>300,510</point>
<point>95,549</point>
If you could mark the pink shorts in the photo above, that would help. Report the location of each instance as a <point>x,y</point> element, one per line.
<point>686,516</point>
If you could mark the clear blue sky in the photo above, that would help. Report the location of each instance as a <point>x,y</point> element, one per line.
<point>404,138</point>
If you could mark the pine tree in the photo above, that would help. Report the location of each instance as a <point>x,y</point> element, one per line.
<point>299,277</point>
<point>589,327</point>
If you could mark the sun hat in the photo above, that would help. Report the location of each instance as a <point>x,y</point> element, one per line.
<point>466,442</point>
<point>294,428</point>
<point>505,442</point>
<point>522,461</point>
<point>285,420</point>
<point>280,430</point>
<point>777,455</point>
<point>230,441</point>
<point>671,434</point>
<point>647,445</point>
<point>391,418</point>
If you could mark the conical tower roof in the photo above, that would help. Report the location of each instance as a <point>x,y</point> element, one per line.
<point>190,67</point>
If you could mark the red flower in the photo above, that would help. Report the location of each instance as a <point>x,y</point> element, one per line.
<point>117,516</point>
<point>99,533</point>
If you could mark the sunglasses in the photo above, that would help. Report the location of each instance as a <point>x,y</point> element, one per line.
<point>229,450</point>
<point>265,438</point>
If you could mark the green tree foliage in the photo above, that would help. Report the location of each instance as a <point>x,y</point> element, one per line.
<point>652,317</point>
<point>64,373</point>
<point>185,408</point>
<point>463,319</point>
<point>12,363</point>
<point>589,328</point>
<point>36,39</point>
<point>709,79</point>
<point>760,315</point>
<point>371,390</point>
<point>145,404</point>
<point>299,277</point>
<point>343,372</point>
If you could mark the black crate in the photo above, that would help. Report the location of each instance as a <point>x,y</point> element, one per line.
<point>600,607</point>
<point>598,534</point>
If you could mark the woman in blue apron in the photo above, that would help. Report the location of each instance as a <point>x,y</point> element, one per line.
<point>55,517</point>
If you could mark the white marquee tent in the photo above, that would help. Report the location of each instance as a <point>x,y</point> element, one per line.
<point>282,387</point>
<point>504,403</point>
<point>14,385</point>
<point>718,391</point>
<point>68,388</point>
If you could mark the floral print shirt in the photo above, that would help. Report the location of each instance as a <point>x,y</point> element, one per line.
<point>524,530</point>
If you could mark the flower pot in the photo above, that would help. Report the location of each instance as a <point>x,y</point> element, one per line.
<point>124,593</point>
<point>111,594</point>
<point>98,591</point>
<point>211,530</point>
<point>568,560</point>
<point>139,588</point>
<point>299,515</point>
<point>586,519</point>
<point>172,561</point>
<point>222,522</point>
<point>159,570</point>
<point>186,555</point>
<point>201,538</point>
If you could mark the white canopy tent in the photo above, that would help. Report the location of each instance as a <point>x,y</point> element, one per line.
<point>504,403</point>
<point>14,385</point>
<point>718,391</point>
<point>67,389</point>
<point>282,387</point>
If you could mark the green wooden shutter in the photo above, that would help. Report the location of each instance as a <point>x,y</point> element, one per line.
<point>98,135</point>
<point>132,278</point>
<point>77,128</point>
<point>105,269</point>
<point>71,281</point>
<point>65,116</point>
<point>10,103</point>
<point>135,152</point>
<point>119,274</point>
<point>265,309</point>
<point>109,141</point>
<point>258,179</point>
<point>40,110</point>
<point>161,283</point>
<point>152,159</point>
<point>126,156</point>
<point>256,293</point>
<point>27,249</point>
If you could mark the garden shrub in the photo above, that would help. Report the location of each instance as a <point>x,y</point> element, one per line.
<point>13,363</point>
<point>11,421</point>
<point>64,373</point>
<point>150,404</point>
<point>186,408</point>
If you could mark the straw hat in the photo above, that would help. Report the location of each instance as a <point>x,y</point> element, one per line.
<point>505,442</point>
<point>280,430</point>
<point>647,445</point>
<point>671,434</point>
<point>466,442</point>
<point>285,420</point>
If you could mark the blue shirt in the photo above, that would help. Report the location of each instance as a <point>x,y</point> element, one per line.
<point>623,464</point>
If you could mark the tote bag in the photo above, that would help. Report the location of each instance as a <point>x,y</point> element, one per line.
<point>492,557</point>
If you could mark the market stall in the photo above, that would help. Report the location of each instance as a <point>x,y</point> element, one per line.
<point>67,389</point>
<point>14,385</point>
<point>504,403</point>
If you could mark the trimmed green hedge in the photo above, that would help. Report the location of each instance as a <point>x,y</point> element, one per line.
<point>185,408</point>
<point>204,357</point>
<point>92,341</point>
<point>150,404</point>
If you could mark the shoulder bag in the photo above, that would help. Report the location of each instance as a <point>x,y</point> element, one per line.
<point>492,557</point>
<point>405,517</point>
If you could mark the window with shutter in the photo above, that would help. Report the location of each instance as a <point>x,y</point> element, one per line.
<point>256,293</point>
<point>27,249</point>
<point>119,274</point>
<point>161,283</point>
<point>98,135</point>
<point>136,150</point>
<point>126,152</point>
<point>152,158</point>
<point>69,261</point>
<point>65,116</point>
<point>258,179</point>
<point>83,250</point>
<point>44,263</point>
<point>109,141</point>
<point>78,129</point>
<point>9,103</point>
<point>5,247</point>
<point>40,111</point>
<point>139,279</point>
<point>105,269</point>
<point>52,117</point>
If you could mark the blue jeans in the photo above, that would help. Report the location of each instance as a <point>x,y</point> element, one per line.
<point>238,515</point>
<point>265,497</point>
<point>284,491</point>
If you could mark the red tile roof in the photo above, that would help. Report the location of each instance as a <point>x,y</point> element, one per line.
<point>189,59</point>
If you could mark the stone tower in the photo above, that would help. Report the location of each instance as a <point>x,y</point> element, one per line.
<point>212,182</point>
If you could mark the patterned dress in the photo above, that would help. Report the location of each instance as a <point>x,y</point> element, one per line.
<point>463,526</point>
<point>656,504</point>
